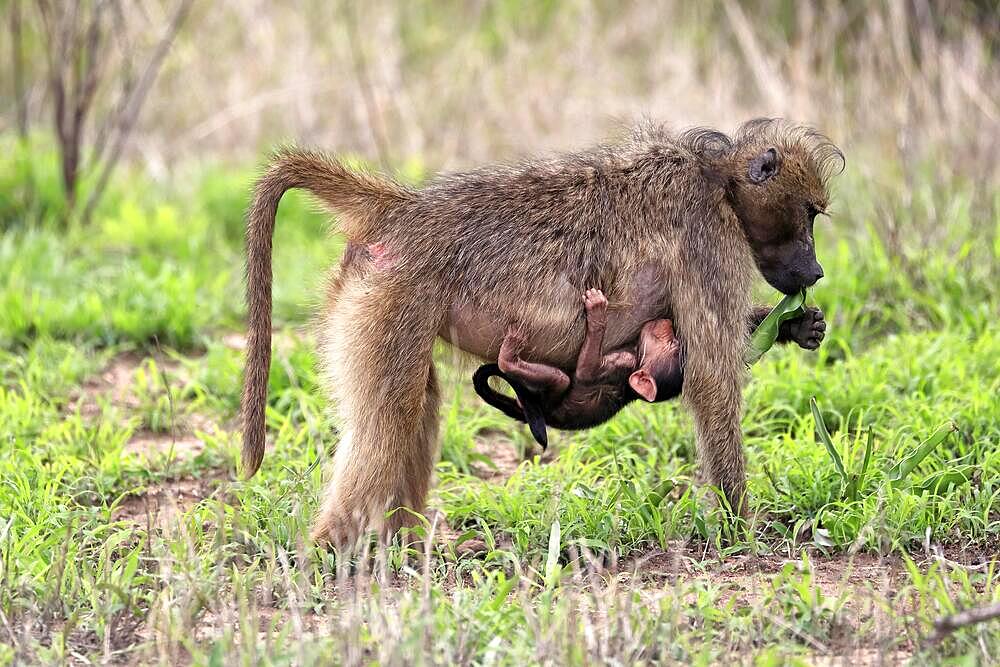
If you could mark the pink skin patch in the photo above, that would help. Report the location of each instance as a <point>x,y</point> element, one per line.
<point>653,336</point>
<point>381,256</point>
<point>660,328</point>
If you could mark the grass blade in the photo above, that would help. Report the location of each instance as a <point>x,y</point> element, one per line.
<point>857,484</point>
<point>552,558</point>
<point>899,472</point>
<point>943,480</point>
<point>869,447</point>
<point>824,437</point>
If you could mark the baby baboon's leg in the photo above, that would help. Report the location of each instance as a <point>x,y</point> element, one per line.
<point>547,381</point>
<point>377,351</point>
<point>588,363</point>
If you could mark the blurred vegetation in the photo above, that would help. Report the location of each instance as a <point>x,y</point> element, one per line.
<point>457,83</point>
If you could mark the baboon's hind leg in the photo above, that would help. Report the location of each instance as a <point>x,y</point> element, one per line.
<point>378,355</point>
<point>421,456</point>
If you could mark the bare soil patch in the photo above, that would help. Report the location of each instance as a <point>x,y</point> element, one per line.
<point>181,442</point>
<point>113,384</point>
<point>861,594</point>
<point>150,445</point>
<point>235,340</point>
<point>306,623</point>
<point>505,456</point>
<point>501,452</point>
<point>160,505</point>
<point>861,657</point>
<point>848,579</point>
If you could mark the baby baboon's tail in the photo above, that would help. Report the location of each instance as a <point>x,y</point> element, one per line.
<point>362,200</point>
<point>525,409</point>
<point>505,404</point>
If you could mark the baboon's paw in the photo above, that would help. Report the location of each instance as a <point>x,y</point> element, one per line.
<point>809,329</point>
<point>335,532</point>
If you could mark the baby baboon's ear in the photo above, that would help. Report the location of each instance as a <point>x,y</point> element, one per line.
<point>764,166</point>
<point>643,384</point>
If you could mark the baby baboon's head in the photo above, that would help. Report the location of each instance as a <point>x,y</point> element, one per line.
<point>659,376</point>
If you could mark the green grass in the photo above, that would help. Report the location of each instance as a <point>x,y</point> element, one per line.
<point>611,550</point>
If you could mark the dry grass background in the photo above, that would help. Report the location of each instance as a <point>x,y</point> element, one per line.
<point>455,83</point>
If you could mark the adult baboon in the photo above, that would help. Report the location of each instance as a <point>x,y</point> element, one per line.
<point>469,255</point>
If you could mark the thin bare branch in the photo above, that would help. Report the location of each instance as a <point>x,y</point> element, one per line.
<point>57,28</point>
<point>126,74</point>
<point>89,69</point>
<point>758,58</point>
<point>84,62</point>
<point>131,109</point>
<point>946,625</point>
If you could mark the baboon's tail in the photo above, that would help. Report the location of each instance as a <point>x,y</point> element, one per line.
<point>362,200</point>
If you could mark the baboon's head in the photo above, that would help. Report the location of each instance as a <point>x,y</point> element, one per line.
<point>777,186</point>
<point>775,176</point>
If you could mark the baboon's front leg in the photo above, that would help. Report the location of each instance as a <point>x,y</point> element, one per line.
<point>716,402</point>
<point>714,337</point>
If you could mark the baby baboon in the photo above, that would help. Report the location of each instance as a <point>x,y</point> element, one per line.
<point>694,215</point>
<point>601,385</point>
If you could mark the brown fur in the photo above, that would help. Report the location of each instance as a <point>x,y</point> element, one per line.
<point>512,242</point>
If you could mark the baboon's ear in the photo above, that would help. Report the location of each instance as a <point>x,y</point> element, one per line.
<point>764,166</point>
<point>643,384</point>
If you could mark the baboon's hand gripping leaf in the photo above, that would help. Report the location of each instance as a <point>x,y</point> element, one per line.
<point>766,333</point>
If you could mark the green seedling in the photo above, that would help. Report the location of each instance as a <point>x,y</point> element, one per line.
<point>854,483</point>
<point>766,333</point>
<point>897,476</point>
<point>898,473</point>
